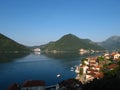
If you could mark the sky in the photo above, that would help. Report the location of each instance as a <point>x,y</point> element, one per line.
<point>37,22</point>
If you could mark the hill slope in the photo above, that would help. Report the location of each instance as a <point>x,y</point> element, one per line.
<point>8,45</point>
<point>111,43</point>
<point>70,42</point>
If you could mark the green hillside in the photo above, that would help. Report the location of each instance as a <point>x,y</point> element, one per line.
<point>112,43</point>
<point>71,42</point>
<point>8,45</point>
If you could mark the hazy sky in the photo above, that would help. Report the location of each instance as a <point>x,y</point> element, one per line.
<point>36,22</point>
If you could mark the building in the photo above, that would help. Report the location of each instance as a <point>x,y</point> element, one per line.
<point>37,50</point>
<point>107,56</point>
<point>116,56</point>
<point>90,70</point>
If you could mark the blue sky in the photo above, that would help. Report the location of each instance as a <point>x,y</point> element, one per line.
<point>36,22</point>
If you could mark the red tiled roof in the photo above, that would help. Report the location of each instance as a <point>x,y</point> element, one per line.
<point>92,66</point>
<point>97,66</point>
<point>91,73</point>
<point>92,70</point>
<point>113,53</point>
<point>32,83</point>
<point>112,66</point>
<point>99,75</point>
<point>92,62</point>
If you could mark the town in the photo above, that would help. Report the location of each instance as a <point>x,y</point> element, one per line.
<point>97,67</point>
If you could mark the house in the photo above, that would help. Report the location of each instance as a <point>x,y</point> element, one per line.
<point>99,75</point>
<point>107,56</point>
<point>77,69</point>
<point>113,66</point>
<point>85,69</point>
<point>116,56</point>
<point>37,50</point>
<point>92,60</point>
<point>82,50</point>
<point>89,77</point>
<point>33,85</point>
<point>86,62</point>
<point>97,67</point>
<point>90,70</point>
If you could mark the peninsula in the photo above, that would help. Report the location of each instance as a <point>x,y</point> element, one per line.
<point>97,67</point>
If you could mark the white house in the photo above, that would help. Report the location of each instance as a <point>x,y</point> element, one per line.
<point>85,69</point>
<point>107,56</point>
<point>86,62</point>
<point>116,56</point>
<point>37,50</point>
<point>77,70</point>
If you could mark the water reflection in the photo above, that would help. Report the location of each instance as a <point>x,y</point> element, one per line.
<point>66,60</point>
<point>37,53</point>
<point>67,55</point>
<point>8,57</point>
<point>69,59</point>
<point>62,55</point>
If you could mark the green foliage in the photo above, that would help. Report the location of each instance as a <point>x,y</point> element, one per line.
<point>71,43</point>
<point>81,71</point>
<point>8,45</point>
<point>111,72</point>
<point>111,59</point>
<point>82,61</point>
<point>7,57</point>
<point>100,58</point>
<point>118,63</point>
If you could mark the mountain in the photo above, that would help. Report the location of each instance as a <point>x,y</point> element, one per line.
<point>112,43</point>
<point>9,45</point>
<point>70,42</point>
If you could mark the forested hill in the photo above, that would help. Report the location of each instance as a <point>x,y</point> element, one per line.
<point>70,42</point>
<point>112,43</point>
<point>9,45</point>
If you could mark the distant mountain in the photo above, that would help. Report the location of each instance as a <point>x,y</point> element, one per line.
<point>9,45</point>
<point>70,42</point>
<point>112,43</point>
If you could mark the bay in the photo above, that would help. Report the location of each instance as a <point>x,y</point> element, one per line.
<point>37,67</point>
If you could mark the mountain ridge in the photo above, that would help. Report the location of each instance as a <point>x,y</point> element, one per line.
<point>70,42</point>
<point>112,43</point>
<point>9,45</point>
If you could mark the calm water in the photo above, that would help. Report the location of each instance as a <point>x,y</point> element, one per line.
<point>36,67</point>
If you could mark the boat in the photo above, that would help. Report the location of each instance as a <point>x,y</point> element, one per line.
<point>58,75</point>
<point>71,69</point>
